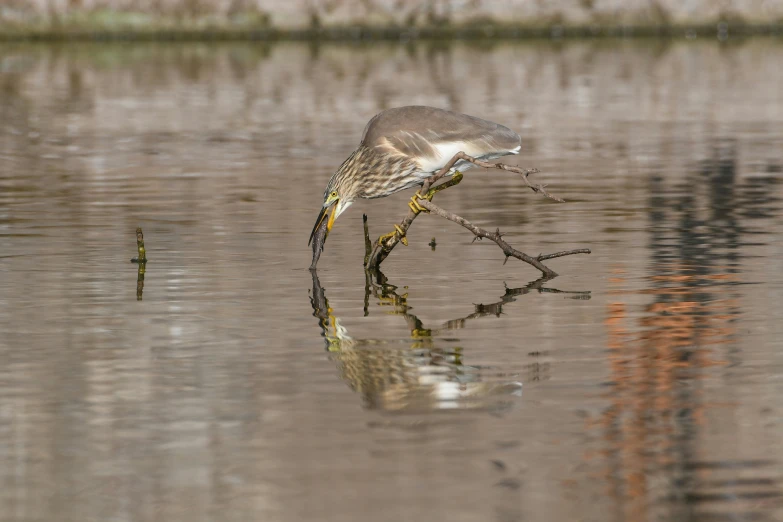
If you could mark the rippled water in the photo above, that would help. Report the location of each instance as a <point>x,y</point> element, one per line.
<point>644,383</point>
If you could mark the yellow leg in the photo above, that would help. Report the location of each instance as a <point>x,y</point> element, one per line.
<point>414,204</point>
<point>455,179</point>
<point>416,207</point>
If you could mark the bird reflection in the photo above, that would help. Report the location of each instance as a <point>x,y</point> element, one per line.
<point>421,373</point>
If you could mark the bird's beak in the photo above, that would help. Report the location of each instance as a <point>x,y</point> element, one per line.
<point>321,217</point>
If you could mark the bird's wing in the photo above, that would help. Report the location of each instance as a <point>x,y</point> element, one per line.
<point>431,136</point>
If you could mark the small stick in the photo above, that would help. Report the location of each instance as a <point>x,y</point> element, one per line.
<point>367,240</point>
<point>142,262</point>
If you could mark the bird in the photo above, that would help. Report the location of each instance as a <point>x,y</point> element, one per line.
<point>399,149</point>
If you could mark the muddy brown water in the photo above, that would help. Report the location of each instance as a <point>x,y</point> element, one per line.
<point>644,383</point>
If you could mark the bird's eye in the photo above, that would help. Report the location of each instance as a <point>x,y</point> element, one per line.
<point>334,194</point>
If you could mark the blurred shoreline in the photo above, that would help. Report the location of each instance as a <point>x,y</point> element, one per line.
<point>404,20</point>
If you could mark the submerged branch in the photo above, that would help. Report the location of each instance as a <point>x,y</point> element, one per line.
<point>381,250</point>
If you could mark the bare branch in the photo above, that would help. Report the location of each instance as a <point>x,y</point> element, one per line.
<point>381,250</point>
<point>507,249</point>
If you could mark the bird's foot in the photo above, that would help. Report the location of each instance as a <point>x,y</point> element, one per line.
<point>416,206</point>
<point>401,233</point>
<point>382,240</point>
<point>397,232</point>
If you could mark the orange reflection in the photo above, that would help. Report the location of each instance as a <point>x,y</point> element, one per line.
<point>656,353</point>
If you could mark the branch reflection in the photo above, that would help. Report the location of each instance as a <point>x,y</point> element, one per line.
<point>140,281</point>
<point>422,373</point>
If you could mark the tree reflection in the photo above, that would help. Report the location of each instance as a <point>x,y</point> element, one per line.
<point>653,428</point>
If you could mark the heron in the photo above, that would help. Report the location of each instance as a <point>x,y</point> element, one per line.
<point>400,148</point>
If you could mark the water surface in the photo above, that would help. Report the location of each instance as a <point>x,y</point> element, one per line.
<point>641,384</point>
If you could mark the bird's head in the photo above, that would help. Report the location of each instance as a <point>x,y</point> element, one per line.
<point>337,198</point>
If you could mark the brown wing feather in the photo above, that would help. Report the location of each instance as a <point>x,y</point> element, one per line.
<point>419,132</point>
